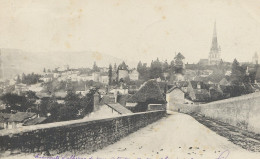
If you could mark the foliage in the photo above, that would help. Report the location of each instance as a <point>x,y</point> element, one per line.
<point>156,69</point>
<point>16,102</point>
<point>110,71</point>
<point>95,68</point>
<point>30,78</point>
<point>143,71</point>
<point>238,73</point>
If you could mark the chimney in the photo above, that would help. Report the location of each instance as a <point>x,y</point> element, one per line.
<point>96,102</point>
<point>198,85</point>
<point>116,95</point>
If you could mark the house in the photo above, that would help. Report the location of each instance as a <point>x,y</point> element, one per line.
<point>224,82</point>
<point>122,71</point>
<point>84,78</point>
<point>17,120</point>
<point>47,78</point>
<point>176,77</point>
<point>107,106</point>
<point>95,76</point>
<point>149,93</point>
<point>203,62</point>
<point>35,121</point>
<point>134,75</point>
<point>183,85</point>
<point>4,120</point>
<point>175,95</point>
<point>123,89</point>
<point>103,78</point>
<point>20,88</point>
<point>82,91</point>
<point>198,91</point>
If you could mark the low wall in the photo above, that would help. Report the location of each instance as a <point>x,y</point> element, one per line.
<point>184,108</point>
<point>243,111</point>
<point>74,136</point>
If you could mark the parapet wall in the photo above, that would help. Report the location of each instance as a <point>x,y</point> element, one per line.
<point>74,136</point>
<point>243,111</point>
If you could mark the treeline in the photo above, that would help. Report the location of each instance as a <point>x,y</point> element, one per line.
<point>74,106</point>
<point>29,78</point>
<point>161,69</point>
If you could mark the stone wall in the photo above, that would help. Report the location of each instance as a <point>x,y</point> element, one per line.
<point>74,136</point>
<point>242,112</point>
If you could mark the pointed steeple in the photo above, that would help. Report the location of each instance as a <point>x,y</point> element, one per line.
<point>215,30</point>
<point>214,45</point>
<point>214,54</point>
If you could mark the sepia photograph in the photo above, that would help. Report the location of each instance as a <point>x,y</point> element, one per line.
<point>129,79</point>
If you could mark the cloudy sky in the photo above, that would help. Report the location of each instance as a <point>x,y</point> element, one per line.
<point>132,29</point>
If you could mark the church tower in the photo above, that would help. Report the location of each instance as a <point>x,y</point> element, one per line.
<point>214,54</point>
<point>1,66</point>
<point>255,58</point>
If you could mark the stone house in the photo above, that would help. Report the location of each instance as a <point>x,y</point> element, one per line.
<point>198,91</point>
<point>175,95</point>
<point>149,93</point>
<point>17,120</point>
<point>134,75</point>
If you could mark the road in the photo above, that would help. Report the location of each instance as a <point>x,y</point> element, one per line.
<point>178,136</point>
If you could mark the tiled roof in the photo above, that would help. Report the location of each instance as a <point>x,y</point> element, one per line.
<point>149,91</point>
<point>4,116</point>
<point>20,116</point>
<point>173,88</point>
<point>119,108</point>
<point>201,95</point>
<point>35,121</point>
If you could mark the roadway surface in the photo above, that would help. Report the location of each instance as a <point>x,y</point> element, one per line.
<point>178,136</point>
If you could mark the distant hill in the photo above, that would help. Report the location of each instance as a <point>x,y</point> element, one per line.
<point>17,61</point>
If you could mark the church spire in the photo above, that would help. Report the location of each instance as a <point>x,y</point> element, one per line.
<point>214,45</point>
<point>215,30</point>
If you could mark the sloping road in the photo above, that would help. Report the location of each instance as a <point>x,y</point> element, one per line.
<point>177,136</point>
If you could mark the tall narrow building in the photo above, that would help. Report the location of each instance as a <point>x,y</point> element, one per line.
<point>255,58</point>
<point>214,54</point>
<point>1,67</point>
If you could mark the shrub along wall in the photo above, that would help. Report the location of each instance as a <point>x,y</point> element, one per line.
<point>75,136</point>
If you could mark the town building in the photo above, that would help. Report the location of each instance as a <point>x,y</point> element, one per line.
<point>149,93</point>
<point>122,71</point>
<point>175,95</point>
<point>255,58</point>
<point>134,75</point>
<point>198,91</point>
<point>18,119</point>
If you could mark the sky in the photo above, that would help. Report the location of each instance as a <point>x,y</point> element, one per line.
<point>132,29</point>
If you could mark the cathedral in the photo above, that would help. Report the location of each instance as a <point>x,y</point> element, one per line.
<point>214,54</point>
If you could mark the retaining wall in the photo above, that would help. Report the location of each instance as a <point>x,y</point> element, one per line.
<point>74,136</point>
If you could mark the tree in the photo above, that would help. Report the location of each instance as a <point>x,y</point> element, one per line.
<point>139,67</point>
<point>95,67</point>
<point>172,67</point>
<point>44,70</point>
<point>165,66</point>
<point>115,67</point>
<point>179,65</point>
<point>238,73</point>
<point>156,69</point>
<point>15,102</point>
<point>18,79</point>
<point>110,74</point>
